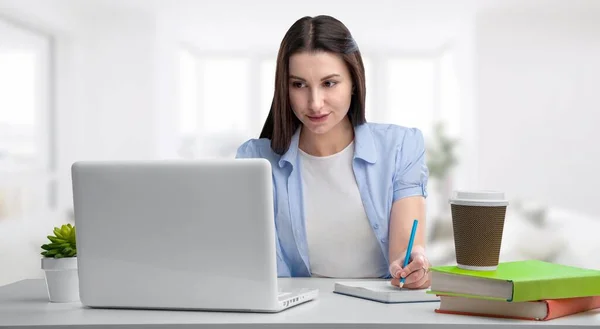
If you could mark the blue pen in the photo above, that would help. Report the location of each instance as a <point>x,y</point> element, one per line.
<point>409,249</point>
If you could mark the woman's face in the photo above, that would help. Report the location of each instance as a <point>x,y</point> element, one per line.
<point>320,89</point>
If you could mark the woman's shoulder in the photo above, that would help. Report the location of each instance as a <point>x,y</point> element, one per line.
<point>393,135</point>
<point>256,148</point>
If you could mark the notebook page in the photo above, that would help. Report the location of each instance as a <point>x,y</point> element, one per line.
<point>380,286</point>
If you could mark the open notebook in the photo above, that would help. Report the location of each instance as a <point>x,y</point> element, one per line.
<point>382,291</point>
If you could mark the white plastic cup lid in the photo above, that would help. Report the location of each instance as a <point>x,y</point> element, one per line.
<point>479,198</point>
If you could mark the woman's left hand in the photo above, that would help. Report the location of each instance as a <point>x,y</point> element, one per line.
<point>416,273</point>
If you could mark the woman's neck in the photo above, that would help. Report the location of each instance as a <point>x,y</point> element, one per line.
<point>332,142</point>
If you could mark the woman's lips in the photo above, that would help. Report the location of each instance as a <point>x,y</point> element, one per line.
<point>318,118</point>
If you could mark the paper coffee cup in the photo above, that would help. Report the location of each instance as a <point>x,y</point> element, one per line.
<point>478,224</point>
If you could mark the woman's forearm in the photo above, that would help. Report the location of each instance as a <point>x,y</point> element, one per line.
<point>404,212</point>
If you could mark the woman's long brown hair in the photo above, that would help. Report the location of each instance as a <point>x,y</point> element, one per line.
<point>320,33</point>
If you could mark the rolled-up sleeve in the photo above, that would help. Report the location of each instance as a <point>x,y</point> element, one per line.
<point>411,174</point>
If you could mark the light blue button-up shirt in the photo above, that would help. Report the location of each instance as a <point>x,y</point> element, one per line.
<point>388,163</point>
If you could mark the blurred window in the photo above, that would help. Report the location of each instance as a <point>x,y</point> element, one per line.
<point>27,149</point>
<point>225,99</point>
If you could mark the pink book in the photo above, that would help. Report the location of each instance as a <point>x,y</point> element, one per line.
<point>536,310</point>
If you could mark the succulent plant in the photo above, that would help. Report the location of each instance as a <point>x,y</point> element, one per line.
<point>62,243</point>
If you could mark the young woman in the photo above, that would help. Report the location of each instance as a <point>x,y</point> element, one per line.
<point>346,192</point>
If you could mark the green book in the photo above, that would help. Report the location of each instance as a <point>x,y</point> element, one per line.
<point>519,281</point>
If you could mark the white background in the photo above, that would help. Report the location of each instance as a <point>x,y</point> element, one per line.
<point>525,104</point>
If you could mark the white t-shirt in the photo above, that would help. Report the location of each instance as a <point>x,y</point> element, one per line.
<point>341,242</point>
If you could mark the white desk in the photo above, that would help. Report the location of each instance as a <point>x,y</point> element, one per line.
<point>25,304</point>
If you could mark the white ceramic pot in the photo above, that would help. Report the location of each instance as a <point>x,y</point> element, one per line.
<point>62,280</point>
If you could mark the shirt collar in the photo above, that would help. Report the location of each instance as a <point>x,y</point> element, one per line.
<point>292,153</point>
<point>364,146</point>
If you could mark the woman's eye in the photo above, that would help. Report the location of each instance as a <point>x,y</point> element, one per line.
<point>329,84</point>
<point>297,84</point>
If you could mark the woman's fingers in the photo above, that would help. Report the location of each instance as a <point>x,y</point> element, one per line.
<point>417,280</point>
<point>396,268</point>
<point>417,263</point>
<point>414,280</point>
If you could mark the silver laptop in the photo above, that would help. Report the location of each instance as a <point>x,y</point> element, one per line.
<point>197,235</point>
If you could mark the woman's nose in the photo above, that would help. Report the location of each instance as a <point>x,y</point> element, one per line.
<point>316,100</point>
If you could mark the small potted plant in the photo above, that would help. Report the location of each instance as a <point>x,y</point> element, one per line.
<point>60,265</point>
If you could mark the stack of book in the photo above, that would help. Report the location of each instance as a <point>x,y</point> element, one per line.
<point>531,289</point>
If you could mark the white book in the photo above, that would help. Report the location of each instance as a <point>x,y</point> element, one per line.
<point>383,291</point>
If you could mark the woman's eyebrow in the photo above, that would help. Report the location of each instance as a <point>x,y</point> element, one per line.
<point>324,78</point>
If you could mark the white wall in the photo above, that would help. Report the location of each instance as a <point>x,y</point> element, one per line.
<point>116,61</point>
<point>381,28</point>
<point>376,25</point>
<point>112,110</point>
<point>532,77</point>
<point>116,72</point>
<point>20,240</point>
<point>104,80</point>
<point>104,104</point>
<point>538,75</point>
